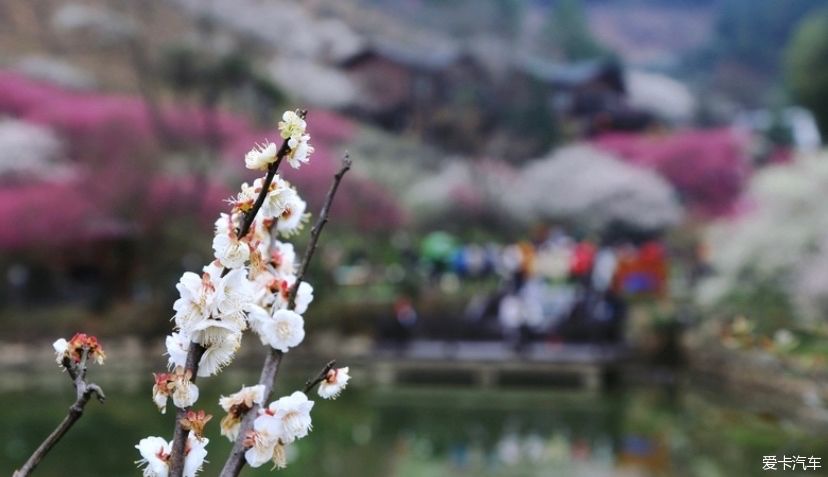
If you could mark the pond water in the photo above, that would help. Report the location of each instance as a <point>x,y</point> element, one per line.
<point>422,431</point>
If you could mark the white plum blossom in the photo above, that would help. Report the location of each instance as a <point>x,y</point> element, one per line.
<point>288,417</point>
<point>212,332</point>
<point>304,297</point>
<point>161,390</point>
<point>260,240</point>
<point>228,249</point>
<point>333,384</point>
<point>233,293</point>
<point>267,285</point>
<point>273,282</point>
<point>196,299</point>
<point>185,395</point>
<point>265,448</point>
<point>292,126</point>
<point>247,395</point>
<point>195,452</point>
<point>219,354</point>
<point>225,223</point>
<point>244,200</point>
<point>177,385</point>
<point>215,357</point>
<point>160,400</point>
<point>155,456</point>
<point>257,318</point>
<point>293,129</point>
<point>283,330</point>
<point>261,448</point>
<point>236,406</point>
<point>300,151</point>
<point>279,196</point>
<point>261,156</point>
<point>178,344</point>
<point>283,258</point>
<point>304,294</point>
<point>185,392</point>
<point>293,218</point>
<point>61,347</point>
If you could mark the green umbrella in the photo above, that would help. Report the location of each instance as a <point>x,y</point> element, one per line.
<point>438,246</point>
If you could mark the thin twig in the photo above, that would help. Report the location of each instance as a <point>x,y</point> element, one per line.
<point>317,229</point>
<point>270,369</point>
<point>196,351</point>
<point>83,392</point>
<point>82,366</point>
<point>69,367</point>
<point>312,383</point>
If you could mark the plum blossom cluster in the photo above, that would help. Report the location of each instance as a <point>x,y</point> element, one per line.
<point>279,424</point>
<point>236,406</point>
<point>252,284</point>
<point>292,130</point>
<point>177,385</point>
<point>73,349</point>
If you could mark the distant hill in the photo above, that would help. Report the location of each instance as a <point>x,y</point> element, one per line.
<point>732,46</point>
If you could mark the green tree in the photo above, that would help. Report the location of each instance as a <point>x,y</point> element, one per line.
<point>807,66</point>
<point>754,32</point>
<point>509,13</point>
<point>569,32</point>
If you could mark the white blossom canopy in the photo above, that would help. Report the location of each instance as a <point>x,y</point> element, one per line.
<point>780,238</point>
<point>595,189</point>
<point>578,184</point>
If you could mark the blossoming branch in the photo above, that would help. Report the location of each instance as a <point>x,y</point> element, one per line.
<point>255,283</point>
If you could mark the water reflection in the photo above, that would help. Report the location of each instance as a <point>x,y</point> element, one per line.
<point>435,432</point>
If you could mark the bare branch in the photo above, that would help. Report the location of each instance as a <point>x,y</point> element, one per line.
<point>82,365</point>
<point>84,391</point>
<point>70,368</point>
<point>317,229</point>
<point>270,369</point>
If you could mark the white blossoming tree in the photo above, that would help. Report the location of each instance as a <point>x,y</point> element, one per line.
<point>255,283</point>
<point>770,261</point>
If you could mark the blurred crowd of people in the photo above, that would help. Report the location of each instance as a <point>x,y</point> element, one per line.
<point>556,287</point>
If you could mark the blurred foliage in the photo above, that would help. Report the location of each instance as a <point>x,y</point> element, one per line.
<point>509,12</point>
<point>807,66</point>
<point>568,31</point>
<point>755,31</point>
<point>191,71</point>
<point>765,302</point>
<point>743,57</point>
